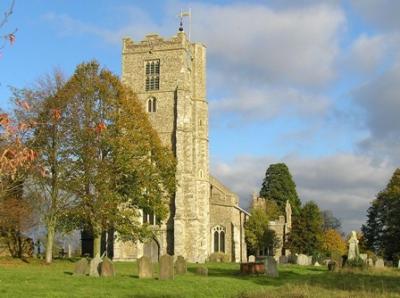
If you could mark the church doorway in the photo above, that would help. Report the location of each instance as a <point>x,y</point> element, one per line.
<point>151,249</point>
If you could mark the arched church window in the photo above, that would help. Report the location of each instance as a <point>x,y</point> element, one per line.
<point>152,75</point>
<point>218,233</point>
<point>152,105</point>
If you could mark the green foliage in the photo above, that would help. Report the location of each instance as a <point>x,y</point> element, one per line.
<point>257,233</point>
<point>278,185</point>
<point>382,229</point>
<point>356,263</point>
<point>306,235</point>
<point>272,209</point>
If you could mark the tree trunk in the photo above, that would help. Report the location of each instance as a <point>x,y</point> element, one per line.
<point>96,244</point>
<point>49,245</point>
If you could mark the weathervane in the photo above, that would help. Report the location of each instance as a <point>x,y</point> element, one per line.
<point>185,14</point>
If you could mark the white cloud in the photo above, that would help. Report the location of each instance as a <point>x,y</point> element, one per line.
<point>344,183</point>
<point>265,103</point>
<point>296,46</point>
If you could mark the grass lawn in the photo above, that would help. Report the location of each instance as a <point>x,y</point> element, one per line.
<point>35,279</point>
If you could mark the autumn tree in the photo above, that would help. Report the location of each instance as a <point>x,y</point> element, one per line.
<point>117,163</point>
<point>333,243</point>
<point>278,185</point>
<point>9,37</point>
<point>306,235</point>
<point>47,117</point>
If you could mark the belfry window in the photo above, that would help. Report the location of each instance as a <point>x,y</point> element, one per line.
<point>218,235</point>
<point>151,105</point>
<point>152,75</point>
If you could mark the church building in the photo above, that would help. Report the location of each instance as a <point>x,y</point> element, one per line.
<point>169,78</point>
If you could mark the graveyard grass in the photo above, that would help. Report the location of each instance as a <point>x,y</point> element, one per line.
<point>35,279</point>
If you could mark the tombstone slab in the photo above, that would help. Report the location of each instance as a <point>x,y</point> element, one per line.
<point>180,265</point>
<point>302,260</point>
<point>370,262</point>
<point>252,259</point>
<point>379,263</point>
<point>95,267</point>
<point>166,267</point>
<point>145,267</point>
<point>82,267</point>
<point>202,271</point>
<point>364,257</point>
<point>107,268</point>
<point>271,267</point>
<point>331,265</point>
<point>316,264</point>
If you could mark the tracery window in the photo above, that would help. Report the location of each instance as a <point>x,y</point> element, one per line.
<point>152,75</point>
<point>218,233</point>
<point>152,105</point>
<point>150,218</point>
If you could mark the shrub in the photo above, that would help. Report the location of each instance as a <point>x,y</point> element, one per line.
<point>356,263</point>
<point>219,257</point>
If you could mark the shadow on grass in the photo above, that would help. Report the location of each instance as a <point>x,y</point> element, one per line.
<point>68,273</point>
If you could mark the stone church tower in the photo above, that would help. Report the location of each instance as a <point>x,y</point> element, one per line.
<point>169,78</point>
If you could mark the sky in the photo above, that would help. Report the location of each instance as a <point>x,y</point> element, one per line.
<point>313,84</point>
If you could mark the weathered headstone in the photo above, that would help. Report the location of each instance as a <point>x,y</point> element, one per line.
<point>107,268</point>
<point>95,266</point>
<point>309,260</point>
<point>201,270</point>
<point>145,267</point>
<point>302,260</point>
<point>316,264</point>
<point>370,262</point>
<point>331,265</point>
<point>180,265</point>
<point>398,264</point>
<point>166,267</point>
<point>252,259</point>
<point>82,267</point>
<point>283,259</point>
<point>353,247</point>
<point>271,267</point>
<point>364,257</point>
<point>379,263</point>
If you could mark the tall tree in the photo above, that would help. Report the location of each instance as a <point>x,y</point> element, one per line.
<point>306,235</point>
<point>330,221</point>
<point>117,162</point>
<point>382,229</point>
<point>278,185</point>
<point>47,112</point>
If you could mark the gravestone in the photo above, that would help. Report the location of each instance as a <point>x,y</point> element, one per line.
<point>180,265</point>
<point>107,268</point>
<point>331,265</point>
<point>201,270</point>
<point>252,259</point>
<point>398,264</point>
<point>82,267</point>
<point>379,263</point>
<point>145,267</point>
<point>309,260</point>
<point>353,247</point>
<point>271,267</point>
<point>364,257</point>
<point>370,262</point>
<point>166,267</point>
<point>317,264</point>
<point>283,259</point>
<point>302,260</point>
<point>95,266</point>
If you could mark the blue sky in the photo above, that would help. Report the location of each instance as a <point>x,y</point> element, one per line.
<point>314,84</point>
